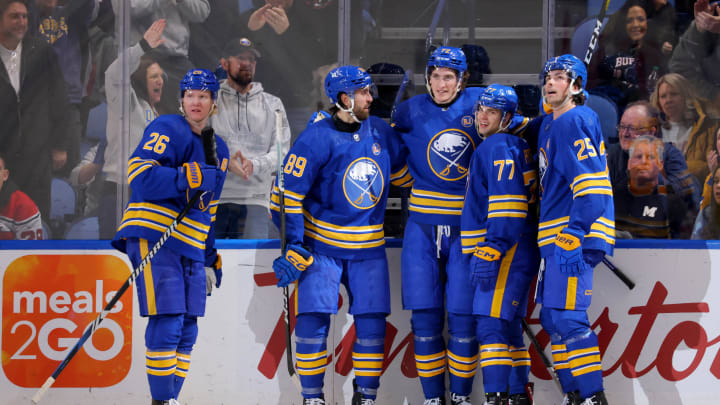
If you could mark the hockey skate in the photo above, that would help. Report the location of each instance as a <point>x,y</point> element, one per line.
<point>519,399</point>
<point>496,398</point>
<point>597,399</point>
<point>572,398</point>
<point>456,399</point>
<point>359,399</point>
<point>314,401</point>
<point>435,401</point>
<point>171,401</point>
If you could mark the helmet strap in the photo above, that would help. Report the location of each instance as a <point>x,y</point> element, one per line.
<point>349,110</point>
<point>430,92</point>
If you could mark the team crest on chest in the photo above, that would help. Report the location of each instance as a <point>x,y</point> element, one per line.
<point>449,153</point>
<point>376,149</point>
<point>542,165</point>
<point>363,183</point>
<point>467,121</point>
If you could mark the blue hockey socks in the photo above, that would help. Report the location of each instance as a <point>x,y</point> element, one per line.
<point>162,336</point>
<point>311,333</point>
<point>187,341</point>
<point>368,352</point>
<point>427,326</point>
<point>520,374</point>
<point>462,353</point>
<point>495,359</point>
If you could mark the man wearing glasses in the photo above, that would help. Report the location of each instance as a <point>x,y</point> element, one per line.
<point>640,118</point>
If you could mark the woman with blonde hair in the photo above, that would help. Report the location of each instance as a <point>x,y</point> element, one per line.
<point>685,122</point>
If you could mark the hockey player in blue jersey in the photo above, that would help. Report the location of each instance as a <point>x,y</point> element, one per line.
<point>166,169</point>
<point>576,226</point>
<point>337,176</point>
<point>498,234</point>
<point>437,130</point>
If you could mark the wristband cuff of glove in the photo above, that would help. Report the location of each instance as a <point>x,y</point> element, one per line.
<point>569,239</point>
<point>297,260</point>
<point>193,174</point>
<point>487,253</point>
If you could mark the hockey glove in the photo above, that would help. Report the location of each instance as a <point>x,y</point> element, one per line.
<point>484,266</point>
<point>197,176</point>
<point>568,251</point>
<point>213,275</point>
<point>288,268</point>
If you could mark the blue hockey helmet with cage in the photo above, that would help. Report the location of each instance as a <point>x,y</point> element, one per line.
<point>200,79</point>
<point>345,79</point>
<point>499,97</point>
<point>574,67</point>
<point>448,57</point>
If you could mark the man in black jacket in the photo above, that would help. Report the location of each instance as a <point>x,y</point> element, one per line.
<point>33,106</point>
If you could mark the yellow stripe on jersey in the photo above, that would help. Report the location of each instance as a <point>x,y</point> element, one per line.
<point>402,178</point>
<point>432,202</point>
<point>602,228</point>
<point>501,282</point>
<point>470,239</point>
<point>149,285</point>
<point>138,165</point>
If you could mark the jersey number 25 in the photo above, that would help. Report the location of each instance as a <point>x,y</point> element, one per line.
<point>586,149</point>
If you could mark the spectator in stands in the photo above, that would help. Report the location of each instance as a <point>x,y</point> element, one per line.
<point>641,118</point>
<point>696,54</point>
<point>146,92</point>
<point>65,28</point>
<point>662,20</point>
<point>33,106</point>
<point>643,207</point>
<point>246,121</point>
<point>707,224</point>
<point>223,24</point>
<point>19,216</point>
<point>684,122</point>
<point>173,53</point>
<point>627,61</point>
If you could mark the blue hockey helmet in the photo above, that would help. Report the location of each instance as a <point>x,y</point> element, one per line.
<point>499,97</point>
<point>345,79</point>
<point>200,79</point>
<point>574,67</point>
<point>448,57</point>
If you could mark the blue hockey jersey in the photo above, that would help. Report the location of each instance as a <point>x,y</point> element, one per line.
<point>336,186</point>
<point>501,184</point>
<point>439,142</point>
<point>155,201</point>
<point>575,189</point>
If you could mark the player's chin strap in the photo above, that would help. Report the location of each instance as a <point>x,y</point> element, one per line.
<point>501,128</point>
<point>349,110</point>
<point>571,93</point>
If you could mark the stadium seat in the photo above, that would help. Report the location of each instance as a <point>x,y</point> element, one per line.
<point>86,228</point>
<point>97,123</point>
<point>608,113</point>
<point>62,205</point>
<point>47,234</point>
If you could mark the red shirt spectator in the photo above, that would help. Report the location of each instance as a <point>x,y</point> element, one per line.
<point>19,216</point>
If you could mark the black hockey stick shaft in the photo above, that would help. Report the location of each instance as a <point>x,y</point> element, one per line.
<point>208,138</point>
<point>543,356</point>
<point>283,248</point>
<point>619,273</point>
<point>596,33</point>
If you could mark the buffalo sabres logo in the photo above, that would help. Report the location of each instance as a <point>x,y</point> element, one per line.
<point>467,121</point>
<point>363,183</point>
<point>449,153</point>
<point>542,166</point>
<point>376,149</point>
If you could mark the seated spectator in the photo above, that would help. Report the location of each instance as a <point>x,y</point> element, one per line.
<point>19,216</point>
<point>685,122</point>
<point>643,207</point>
<point>33,106</point>
<point>697,52</point>
<point>146,92</point>
<point>707,224</point>
<point>244,208</point>
<point>627,61</point>
<point>640,118</point>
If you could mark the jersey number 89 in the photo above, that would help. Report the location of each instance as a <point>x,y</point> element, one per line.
<point>295,165</point>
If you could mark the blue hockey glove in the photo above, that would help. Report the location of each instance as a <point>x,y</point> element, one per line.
<point>197,176</point>
<point>213,275</point>
<point>484,267</point>
<point>288,268</point>
<point>568,251</point>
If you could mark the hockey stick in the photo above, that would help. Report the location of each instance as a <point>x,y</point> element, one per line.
<point>283,248</point>
<point>208,140</point>
<point>619,273</point>
<point>596,33</point>
<point>542,354</point>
